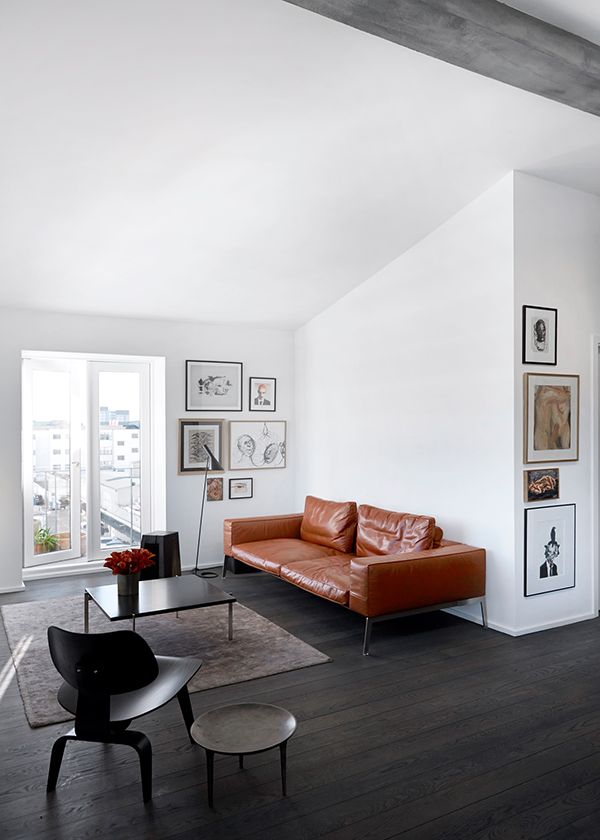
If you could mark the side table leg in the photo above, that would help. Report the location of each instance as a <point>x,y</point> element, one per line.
<point>241,760</point>
<point>86,612</point>
<point>282,755</point>
<point>133,625</point>
<point>230,622</point>
<point>210,766</point>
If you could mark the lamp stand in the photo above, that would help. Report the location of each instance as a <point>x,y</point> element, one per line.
<point>197,572</point>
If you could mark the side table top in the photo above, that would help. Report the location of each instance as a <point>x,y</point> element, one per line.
<point>243,728</point>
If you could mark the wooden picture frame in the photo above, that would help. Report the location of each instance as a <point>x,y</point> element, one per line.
<point>257,444</point>
<point>541,485</point>
<point>540,335</point>
<point>214,490</point>
<point>551,424</point>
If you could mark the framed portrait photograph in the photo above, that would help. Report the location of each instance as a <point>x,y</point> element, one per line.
<point>262,393</point>
<point>214,490</point>
<point>192,435</point>
<point>213,386</point>
<point>257,445</point>
<point>541,485</point>
<point>551,417</point>
<point>539,335</point>
<point>549,549</point>
<point>241,488</point>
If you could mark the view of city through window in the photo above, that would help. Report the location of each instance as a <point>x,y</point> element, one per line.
<point>63,486</point>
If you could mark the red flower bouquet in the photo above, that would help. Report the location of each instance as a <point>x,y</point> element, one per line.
<point>130,561</point>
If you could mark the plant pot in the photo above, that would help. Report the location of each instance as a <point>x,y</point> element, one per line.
<point>128,585</point>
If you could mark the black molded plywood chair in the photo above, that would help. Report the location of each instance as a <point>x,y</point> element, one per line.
<point>110,679</point>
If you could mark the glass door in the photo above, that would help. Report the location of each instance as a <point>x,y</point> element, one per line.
<point>53,423</point>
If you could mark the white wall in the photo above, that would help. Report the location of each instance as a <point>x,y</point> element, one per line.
<point>557,264</point>
<point>264,352</point>
<point>405,389</point>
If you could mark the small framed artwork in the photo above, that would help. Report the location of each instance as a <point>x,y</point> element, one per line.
<point>192,435</point>
<point>257,445</point>
<point>549,549</point>
<point>262,393</point>
<point>241,488</point>
<point>541,485</point>
<point>214,490</point>
<point>213,386</point>
<point>539,335</point>
<point>551,417</point>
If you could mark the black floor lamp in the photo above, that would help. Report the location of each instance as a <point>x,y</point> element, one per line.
<point>212,463</point>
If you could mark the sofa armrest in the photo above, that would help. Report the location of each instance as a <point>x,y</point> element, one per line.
<point>397,582</point>
<point>253,528</point>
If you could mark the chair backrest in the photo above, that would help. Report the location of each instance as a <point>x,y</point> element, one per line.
<point>98,665</point>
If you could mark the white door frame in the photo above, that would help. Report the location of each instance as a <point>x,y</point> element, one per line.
<point>595,469</point>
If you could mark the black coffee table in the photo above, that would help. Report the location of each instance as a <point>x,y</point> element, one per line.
<point>163,595</point>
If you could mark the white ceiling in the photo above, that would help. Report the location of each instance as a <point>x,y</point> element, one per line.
<point>581,17</point>
<point>236,161</point>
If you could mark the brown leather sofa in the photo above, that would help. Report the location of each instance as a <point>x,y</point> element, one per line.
<point>376,562</point>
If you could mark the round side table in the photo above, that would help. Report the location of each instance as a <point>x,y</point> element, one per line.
<point>242,729</point>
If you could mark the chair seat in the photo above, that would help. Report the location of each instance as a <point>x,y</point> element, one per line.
<point>173,673</point>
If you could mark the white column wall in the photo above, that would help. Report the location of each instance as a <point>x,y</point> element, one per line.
<point>405,389</point>
<point>264,352</point>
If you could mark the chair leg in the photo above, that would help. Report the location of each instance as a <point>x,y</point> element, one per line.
<point>210,768</point>
<point>58,750</point>
<point>283,756</point>
<point>185,705</point>
<point>483,607</point>
<point>143,748</point>
<point>225,564</point>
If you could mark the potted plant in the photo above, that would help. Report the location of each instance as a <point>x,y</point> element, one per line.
<point>127,565</point>
<point>44,540</point>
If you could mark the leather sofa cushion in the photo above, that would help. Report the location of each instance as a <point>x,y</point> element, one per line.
<point>269,555</point>
<point>387,532</point>
<point>330,524</point>
<point>328,577</point>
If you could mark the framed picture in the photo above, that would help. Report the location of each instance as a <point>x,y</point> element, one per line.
<point>551,417</point>
<point>241,488</point>
<point>539,335</point>
<point>549,549</point>
<point>213,386</point>
<point>192,435</point>
<point>541,485</point>
<point>214,490</point>
<point>257,445</point>
<point>262,393</point>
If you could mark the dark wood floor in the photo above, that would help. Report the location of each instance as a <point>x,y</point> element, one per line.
<point>446,731</point>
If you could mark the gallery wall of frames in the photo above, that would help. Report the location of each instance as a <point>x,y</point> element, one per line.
<point>550,438</point>
<point>239,445</point>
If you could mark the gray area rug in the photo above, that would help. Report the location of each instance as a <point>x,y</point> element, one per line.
<point>259,647</point>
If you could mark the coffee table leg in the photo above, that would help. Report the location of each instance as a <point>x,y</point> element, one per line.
<point>230,633</point>
<point>133,625</point>
<point>282,755</point>
<point>241,760</point>
<point>86,613</point>
<point>210,764</point>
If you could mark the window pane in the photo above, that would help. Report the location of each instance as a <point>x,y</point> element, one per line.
<point>120,480</point>
<point>51,408</point>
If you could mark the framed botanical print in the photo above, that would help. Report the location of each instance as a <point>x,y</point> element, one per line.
<point>257,445</point>
<point>262,393</point>
<point>241,488</point>
<point>192,435</point>
<point>539,335</point>
<point>549,549</point>
<point>551,417</point>
<point>541,485</point>
<point>213,386</point>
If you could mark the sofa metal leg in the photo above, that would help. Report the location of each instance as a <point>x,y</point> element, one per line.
<point>367,636</point>
<point>483,607</point>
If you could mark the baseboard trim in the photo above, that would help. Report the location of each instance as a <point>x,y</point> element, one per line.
<point>64,570</point>
<point>7,589</point>
<point>522,631</point>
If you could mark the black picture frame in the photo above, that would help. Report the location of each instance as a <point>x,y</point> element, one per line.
<point>540,335</point>
<point>234,481</point>
<point>270,394</point>
<point>227,385</point>
<point>550,538</point>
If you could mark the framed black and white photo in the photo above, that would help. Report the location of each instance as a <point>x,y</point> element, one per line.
<point>257,445</point>
<point>213,386</point>
<point>539,335</point>
<point>214,490</point>
<point>262,393</point>
<point>541,485</point>
<point>241,488</point>
<point>551,417</point>
<point>192,435</point>
<point>549,549</point>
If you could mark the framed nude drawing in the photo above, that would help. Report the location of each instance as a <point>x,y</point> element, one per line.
<point>551,418</point>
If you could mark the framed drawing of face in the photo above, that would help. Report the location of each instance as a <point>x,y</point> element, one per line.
<point>539,335</point>
<point>262,393</point>
<point>257,445</point>
<point>549,549</point>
